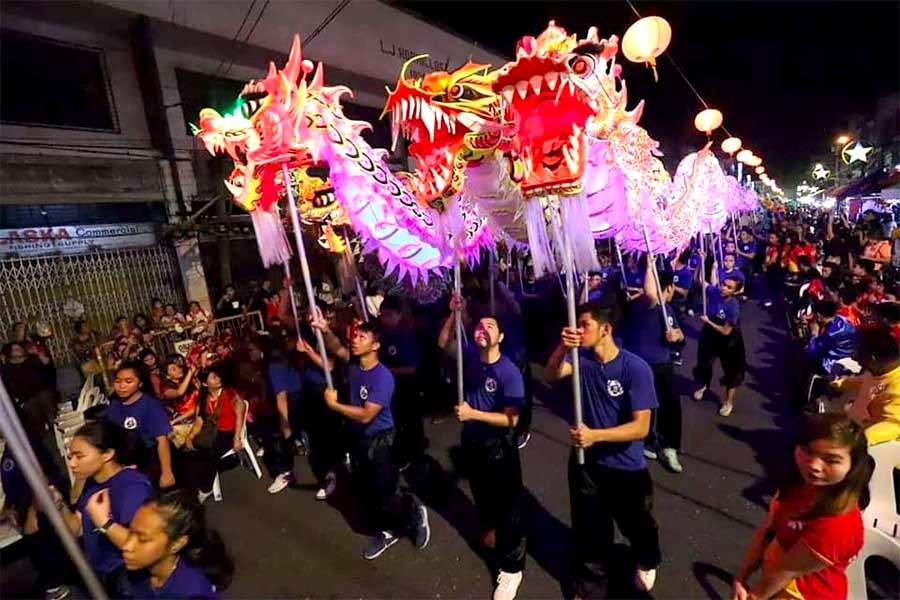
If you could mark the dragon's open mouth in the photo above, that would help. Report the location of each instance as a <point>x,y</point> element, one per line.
<point>550,115</point>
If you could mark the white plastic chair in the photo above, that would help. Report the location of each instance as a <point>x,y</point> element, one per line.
<point>883,512</point>
<point>245,448</point>
<point>877,543</point>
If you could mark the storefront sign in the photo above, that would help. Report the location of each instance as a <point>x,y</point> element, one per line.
<point>419,68</point>
<point>75,239</point>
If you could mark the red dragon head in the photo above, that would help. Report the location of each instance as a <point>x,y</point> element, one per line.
<point>451,119</point>
<point>553,88</point>
<point>261,136</point>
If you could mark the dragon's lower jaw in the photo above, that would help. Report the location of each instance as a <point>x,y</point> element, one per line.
<point>553,165</point>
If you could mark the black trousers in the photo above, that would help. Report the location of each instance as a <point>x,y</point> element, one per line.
<point>323,429</point>
<point>600,498</point>
<point>200,466</point>
<point>410,430</point>
<point>666,429</point>
<point>729,349</point>
<point>375,478</point>
<point>495,476</point>
<point>523,426</point>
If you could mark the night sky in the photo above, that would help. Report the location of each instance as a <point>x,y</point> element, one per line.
<point>785,74</point>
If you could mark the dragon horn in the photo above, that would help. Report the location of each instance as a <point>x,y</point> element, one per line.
<point>409,62</point>
<point>295,60</point>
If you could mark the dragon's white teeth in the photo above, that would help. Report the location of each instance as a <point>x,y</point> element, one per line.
<point>395,133</point>
<point>571,87</point>
<point>571,157</point>
<point>552,77</point>
<point>416,106</point>
<point>536,82</point>
<point>404,109</point>
<point>439,180</point>
<point>428,119</point>
<point>522,88</point>
<point>508,92</point>
<point>452,123</point>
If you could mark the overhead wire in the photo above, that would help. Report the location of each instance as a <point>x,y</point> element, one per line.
<point>237,33</point>
<point>326,21</point>
<point>247,37</point>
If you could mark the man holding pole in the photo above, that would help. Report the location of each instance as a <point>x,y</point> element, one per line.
<point>494,394</point>
<point>652,336</point>
<point>613,484</point>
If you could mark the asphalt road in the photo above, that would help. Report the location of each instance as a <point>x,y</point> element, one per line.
<point>290,545</point>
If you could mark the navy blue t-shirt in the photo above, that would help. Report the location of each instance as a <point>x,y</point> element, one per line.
<point>377,386</point>
<point>399,349</point>
<point>611,392</point>
<point>128,490</point>
<point>15,487</point>
<point>683,278</point>
<point>284,378</point>
<point>184,582</point>
<point>634,279</point>
<point>146,416</point>
<point>644,332</point>
<point>491,388</point>
<point>722,310</point>
<point>748,247</point>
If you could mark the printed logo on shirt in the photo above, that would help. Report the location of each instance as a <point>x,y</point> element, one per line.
<point>8,465</point>
<point>795,525</point>
<point>363,393</point>
<point>675,279</point>
<point>130,423</point>
<point>721,314</point>
<point>490,385</point>
<point>392,350</point>
<point>614,388</point>
<point>670,321</point>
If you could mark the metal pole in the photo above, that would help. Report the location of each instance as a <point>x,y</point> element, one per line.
<point>573,323</point>
<point>304,267</point>
<point>721,253</point>
<point>359,289</point>
<point>621,265</point>
<point>703,270</point>
<point>734,232</point>
<point>492,263</point>
<point>287,272</point>
<point>12,431</point>
<point>651,264</point>
<point>457,289</point>
<point>521,272</point>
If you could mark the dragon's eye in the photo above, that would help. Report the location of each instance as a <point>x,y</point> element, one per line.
<point>455,91</point>
<point>582,65</point>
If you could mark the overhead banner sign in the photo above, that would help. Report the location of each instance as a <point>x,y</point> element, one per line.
<point>75,239</point>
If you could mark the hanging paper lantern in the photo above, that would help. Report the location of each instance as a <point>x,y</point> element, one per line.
<point>754,161</point>
<point>760,170</point>
<point>731,145</point>
<point>744,155</point>
<point>708,120</point>
<point>645,40</point>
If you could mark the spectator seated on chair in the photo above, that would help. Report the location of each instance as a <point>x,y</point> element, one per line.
<point>833,338</point>
<point>876,406</point>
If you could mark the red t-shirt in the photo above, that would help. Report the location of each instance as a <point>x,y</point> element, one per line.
<point>850,313</point>
<point>834,539</point>
<point>183,405</point>
<point>227,417</point>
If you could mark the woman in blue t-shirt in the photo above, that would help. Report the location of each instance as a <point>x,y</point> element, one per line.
<point>112,494</point>
<point>173,553</point>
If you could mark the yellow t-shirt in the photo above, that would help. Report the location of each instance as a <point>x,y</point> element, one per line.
<point>877,406</point>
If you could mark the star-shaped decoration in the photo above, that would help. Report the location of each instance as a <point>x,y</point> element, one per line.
<point>858,153</point>
<point>821,172</point>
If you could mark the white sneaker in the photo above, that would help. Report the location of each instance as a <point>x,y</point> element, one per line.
<point>260,452</point>
<point>649,454</point>
<point>330,485</point>
<point>507,585</point>
<point>202,497</point>
<point>670,459</point>
<point>281,482</point>
<point>690,312</point>
<point>698,394</point>
<point>726,409</point>
<point>644,580</point>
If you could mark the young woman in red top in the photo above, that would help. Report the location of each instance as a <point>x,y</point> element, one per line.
<point>178,392</point>
<point>814,528</point>
<point>219,404</point>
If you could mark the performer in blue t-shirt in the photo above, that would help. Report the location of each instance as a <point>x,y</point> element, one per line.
<point>721,338</point>
<point>494,395</point>
<point>375,473</point>
<point>613,485</point>
<point>648,336</point>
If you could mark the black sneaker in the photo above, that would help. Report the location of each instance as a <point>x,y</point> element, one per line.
<point>523,440</point>
<point>677,359</point>
<point>379,544</point>
<point>422,531</point>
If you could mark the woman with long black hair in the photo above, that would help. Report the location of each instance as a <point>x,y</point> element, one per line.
<point>814,528</point>
<point>173,552</point>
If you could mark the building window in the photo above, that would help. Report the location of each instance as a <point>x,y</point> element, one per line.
<point>49,83</point>
<point>199,91</point>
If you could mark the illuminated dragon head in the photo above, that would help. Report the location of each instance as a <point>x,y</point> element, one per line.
<point>553,88</point>
<point>258,136</point>
<point>450,119</point>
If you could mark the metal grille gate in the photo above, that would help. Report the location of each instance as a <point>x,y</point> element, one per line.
<point>107,283</point>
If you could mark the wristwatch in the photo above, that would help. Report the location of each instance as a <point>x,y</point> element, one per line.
<point>104,529</point>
